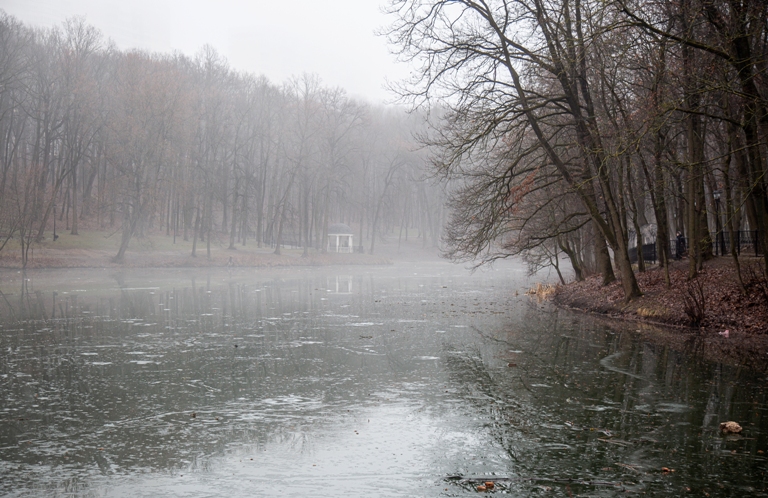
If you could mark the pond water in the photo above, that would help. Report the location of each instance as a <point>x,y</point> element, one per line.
<point>410,380</point>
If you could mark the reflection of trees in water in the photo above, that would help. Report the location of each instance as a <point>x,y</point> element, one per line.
<point>192,330</point>
<point>586,402</point>
<point>662,406</point>
<point>27,304</point>
<point>189,362</point>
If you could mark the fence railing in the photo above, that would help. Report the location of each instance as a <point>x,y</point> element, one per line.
<point>649,253</point>
<point>747,241</point>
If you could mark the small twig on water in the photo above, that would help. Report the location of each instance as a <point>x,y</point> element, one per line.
<point>482,479</point>
<point>628,467</point>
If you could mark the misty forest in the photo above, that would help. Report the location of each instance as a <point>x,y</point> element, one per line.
<point>132,142</point>
<point>597,169</point>
<point>579,130</point>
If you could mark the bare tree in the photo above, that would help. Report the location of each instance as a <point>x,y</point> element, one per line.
<point>505,67</point>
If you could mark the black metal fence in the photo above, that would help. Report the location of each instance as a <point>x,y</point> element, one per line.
<point>747,241</point>
<point>649,253</point>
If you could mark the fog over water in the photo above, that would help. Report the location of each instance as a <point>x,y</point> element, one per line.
<point>402,380</point>
<point>240,136</point>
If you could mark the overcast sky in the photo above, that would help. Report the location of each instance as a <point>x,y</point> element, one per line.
<point>278,38</point>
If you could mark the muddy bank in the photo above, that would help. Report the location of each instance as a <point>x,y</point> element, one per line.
<point>711,313</point>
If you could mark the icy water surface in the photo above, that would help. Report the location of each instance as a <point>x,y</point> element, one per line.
<point>399,381</point>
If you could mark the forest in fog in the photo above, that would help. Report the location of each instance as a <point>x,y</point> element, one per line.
<point>584,128</point>
<point>562,130</point>
<point>132,143</point>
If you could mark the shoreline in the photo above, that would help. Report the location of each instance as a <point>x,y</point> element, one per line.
<point>97,249</point>
<point>220,258</point>
<point>710,313</point>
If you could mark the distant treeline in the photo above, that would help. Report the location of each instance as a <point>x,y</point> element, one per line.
<point>135,142</point>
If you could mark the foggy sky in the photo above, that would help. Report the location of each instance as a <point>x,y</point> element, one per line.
<point>278,38</point>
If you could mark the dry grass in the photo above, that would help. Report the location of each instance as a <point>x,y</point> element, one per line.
<point>542,291</point>
<point>651,312</point>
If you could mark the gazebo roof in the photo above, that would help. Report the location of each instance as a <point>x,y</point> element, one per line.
<point>339,229</point>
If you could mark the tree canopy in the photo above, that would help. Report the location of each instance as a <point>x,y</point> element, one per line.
<point>568,126</point>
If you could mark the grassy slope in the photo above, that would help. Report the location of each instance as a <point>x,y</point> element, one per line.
<point>93,249</point>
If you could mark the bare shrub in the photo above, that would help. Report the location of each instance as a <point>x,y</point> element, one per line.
<point>755,282</point>
<point>694,303</point>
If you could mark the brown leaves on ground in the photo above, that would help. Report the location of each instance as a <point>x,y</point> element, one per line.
<point>715,294</point>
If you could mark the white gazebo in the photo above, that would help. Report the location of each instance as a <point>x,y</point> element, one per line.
<point>340,238</point>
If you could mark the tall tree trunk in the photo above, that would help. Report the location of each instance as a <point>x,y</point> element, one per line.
<point>194,236</point>
<point>656,188</point>
<point>326,214</point>
<point>74,200</point>
<point>635,215</point>
<point>244,218</point>
<point>233,229</point>
<point>305,215</point>
<point>209,224</point>
<point>730,215</point>
<point>573,257</point>
<point>131,219</point>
